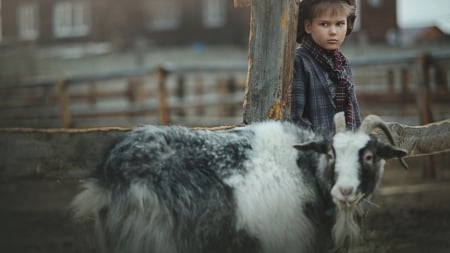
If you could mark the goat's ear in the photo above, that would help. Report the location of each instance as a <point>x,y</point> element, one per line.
<point>321,147</point>
<point>388,152</point>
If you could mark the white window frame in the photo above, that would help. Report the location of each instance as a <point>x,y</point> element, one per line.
<point>214,13</point>
<point>28,21</point>
<point>71,19</point>
<point>164,14</point>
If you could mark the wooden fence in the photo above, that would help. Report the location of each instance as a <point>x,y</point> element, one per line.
<point>413,87</point>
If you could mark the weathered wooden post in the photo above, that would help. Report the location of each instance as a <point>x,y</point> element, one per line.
<point>423,90</point>
<point>391,80</point>
<point>441,78</point>
<point>92,93</point>
<point>163,96</point>
<point>405,80</point>
<point>63,97</point>
<point>424,107</point>
<point>272,41</point>
<point>180,93</point>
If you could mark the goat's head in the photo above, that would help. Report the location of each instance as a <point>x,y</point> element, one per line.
<point>355,166</point>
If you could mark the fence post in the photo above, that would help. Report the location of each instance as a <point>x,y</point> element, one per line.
<point>441,78</point>
<point>231,90</point>
<point>92,93</point>
<point>63,97</point>
<point>273,32</point>
<point>180,93</point>
<point>163,96</point>
<point>423,91</point>
<point>131,90</point>
<point>223,97</point>
<point>404,79</point>
<point>391,80</point>
<point>199,93</point>
<point>424,107</point>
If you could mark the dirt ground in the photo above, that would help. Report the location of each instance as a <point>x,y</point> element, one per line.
<point>413,215</point>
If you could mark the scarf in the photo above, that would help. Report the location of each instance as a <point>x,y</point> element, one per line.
<point>335,63</point>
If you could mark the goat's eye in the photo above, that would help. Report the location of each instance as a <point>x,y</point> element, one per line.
<point>368,157</point>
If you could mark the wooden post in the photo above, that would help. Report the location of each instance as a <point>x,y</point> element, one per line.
<point>424,108</point>
<point>180,93</point>
<point>273,29</point>
<point>199,93</point>
<point>63,97</point>
<point>223,96</point>
<point>404,79</point>
<point>163,96</point>
<point>231,89</point>
<point>92,94</point>
<point>131,90</point>
<point>391,80</point>
<point>441,78</point>
<point>423,90</point>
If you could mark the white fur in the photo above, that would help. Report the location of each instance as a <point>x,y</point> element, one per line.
<point>269,198</point>
<point>90,200</point>
<point>347,146</point>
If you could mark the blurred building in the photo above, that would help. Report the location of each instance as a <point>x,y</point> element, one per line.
<point>126,23</point>
<point>122,22</point>
<point>377,18</point>
<point>377,23</point>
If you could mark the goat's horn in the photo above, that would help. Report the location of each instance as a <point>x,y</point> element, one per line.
<point>339,122</point>
<point>372,122</point>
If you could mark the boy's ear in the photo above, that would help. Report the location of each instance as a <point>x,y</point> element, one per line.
<point>307,24</point>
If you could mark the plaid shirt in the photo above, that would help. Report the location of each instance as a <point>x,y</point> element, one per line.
<point>312,98</point>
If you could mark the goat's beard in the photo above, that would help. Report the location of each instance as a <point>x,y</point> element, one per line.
<point>346,230</point>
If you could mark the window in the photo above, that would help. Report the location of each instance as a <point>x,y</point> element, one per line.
<point>71,19</point>
<point>164,14</point>
<point>28,21</point>
<point>214,13</point>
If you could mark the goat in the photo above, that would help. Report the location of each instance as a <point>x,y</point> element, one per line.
<point>265,187</point>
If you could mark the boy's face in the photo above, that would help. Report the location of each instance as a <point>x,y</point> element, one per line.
<point>328,29</point>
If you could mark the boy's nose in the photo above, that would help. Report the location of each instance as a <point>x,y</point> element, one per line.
<point>332,30</point>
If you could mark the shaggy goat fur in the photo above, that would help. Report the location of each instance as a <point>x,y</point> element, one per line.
<point>174,189</point>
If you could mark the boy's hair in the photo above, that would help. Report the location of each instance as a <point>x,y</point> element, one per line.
<point>308,10</point>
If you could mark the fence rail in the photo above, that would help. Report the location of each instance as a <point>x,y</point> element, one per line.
<point>409,85</point>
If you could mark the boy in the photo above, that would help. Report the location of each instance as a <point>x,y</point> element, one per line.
<point>322,83</point>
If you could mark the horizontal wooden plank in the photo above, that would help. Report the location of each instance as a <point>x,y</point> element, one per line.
<point>76,153</point>
<point>54,153</point>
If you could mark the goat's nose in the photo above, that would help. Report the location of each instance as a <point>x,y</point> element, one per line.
<point>346,191</point>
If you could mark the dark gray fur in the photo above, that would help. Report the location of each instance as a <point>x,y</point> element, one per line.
<point>185,169</point>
